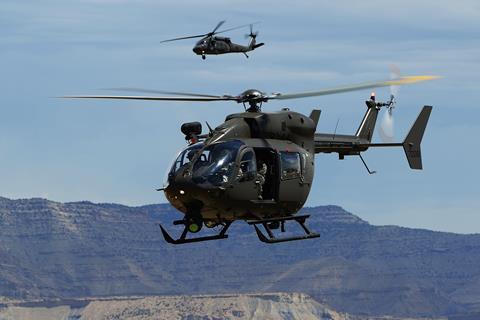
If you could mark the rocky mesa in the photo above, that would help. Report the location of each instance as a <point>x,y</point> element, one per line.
<point>51,250</point>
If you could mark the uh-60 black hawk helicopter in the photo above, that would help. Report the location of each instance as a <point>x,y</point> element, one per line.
<point>259,166</point>
<point>209,44</point>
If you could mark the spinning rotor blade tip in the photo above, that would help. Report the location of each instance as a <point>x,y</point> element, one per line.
<point>412,79</point>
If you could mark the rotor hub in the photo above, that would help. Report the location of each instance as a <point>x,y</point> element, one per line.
<point>254,98</point>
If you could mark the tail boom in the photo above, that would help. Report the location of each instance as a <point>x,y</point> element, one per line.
<point>347,145</point>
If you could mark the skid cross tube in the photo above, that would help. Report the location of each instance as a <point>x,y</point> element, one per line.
<point>271,237</point>
<point>183,237</point>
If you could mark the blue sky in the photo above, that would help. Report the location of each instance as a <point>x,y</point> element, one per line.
<point>119,151</point>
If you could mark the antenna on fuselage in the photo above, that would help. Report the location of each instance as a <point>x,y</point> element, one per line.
<point>336,127</point>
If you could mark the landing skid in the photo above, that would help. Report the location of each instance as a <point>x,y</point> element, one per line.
<point>268,225</point>
<point>183,237</point>
<point>275,223</point>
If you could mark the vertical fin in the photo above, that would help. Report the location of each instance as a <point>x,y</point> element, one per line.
<point>315,116</point>
<point>253,42</point>
<point>412,141</point>
<point>366,128</point>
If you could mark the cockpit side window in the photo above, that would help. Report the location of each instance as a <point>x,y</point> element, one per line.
<point>291,165</point>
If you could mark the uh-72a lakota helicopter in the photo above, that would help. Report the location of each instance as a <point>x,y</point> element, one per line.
<point>259,166</point>
<point>209,44</point>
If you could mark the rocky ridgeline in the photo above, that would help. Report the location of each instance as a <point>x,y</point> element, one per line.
<point>50,250</point>
<point>272,306</point>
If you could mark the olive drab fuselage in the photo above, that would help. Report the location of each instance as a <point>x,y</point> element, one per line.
<point>218,45</point>
<point>215,45</point>
<point>211,44</point>
<point>221,178</point>
<point>259,166</point>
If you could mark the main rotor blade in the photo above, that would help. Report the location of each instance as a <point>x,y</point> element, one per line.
<point>210,33</point>
<point>175,93</point>
<point>366,85</point>
<point>394,74</point>
<point>199,99</point>
<point>182,38</point>
<point>218,26</point>
<point>239,27</point>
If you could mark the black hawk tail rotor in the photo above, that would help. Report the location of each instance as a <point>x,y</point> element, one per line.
<point>252,35</point>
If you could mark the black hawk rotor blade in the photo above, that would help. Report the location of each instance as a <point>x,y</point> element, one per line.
<point>218,26</point>
<point>182,38</point>
<point>209,34</point>
<point>238,27</point>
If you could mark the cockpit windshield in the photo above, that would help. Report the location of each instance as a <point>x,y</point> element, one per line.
<point>202,42</point>
<point>186,156</point>
<point>216,163</point>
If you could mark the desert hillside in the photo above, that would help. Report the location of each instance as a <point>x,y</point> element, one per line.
<point>51,250</point>
<point>271,306</point>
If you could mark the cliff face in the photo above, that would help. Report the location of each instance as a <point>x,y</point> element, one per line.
<point>54,250</point>
<point>271,306</point>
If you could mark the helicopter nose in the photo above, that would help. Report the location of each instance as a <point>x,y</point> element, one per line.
<point>186,192</point>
